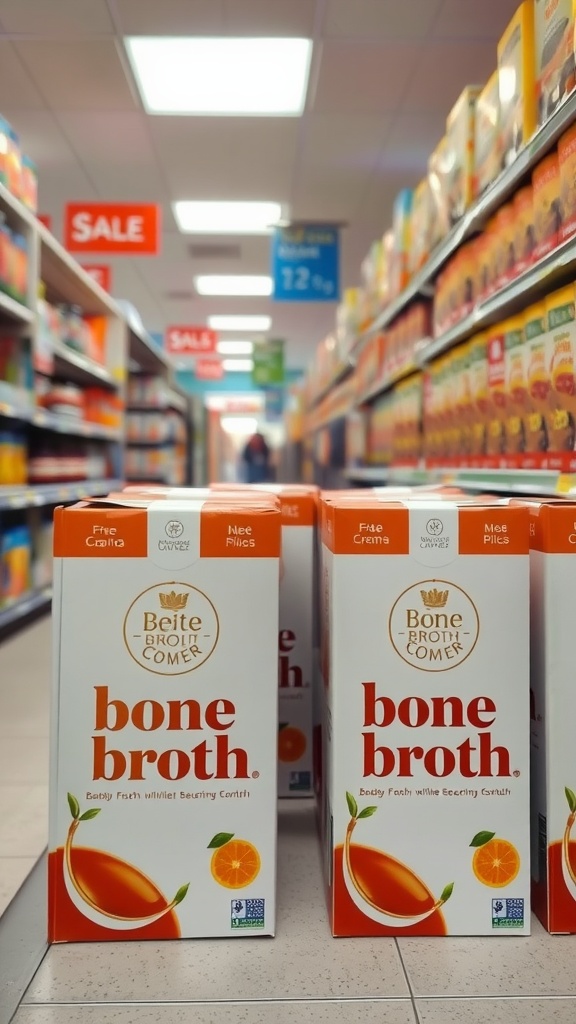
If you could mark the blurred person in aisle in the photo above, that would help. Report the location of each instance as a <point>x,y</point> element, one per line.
<point>256,460</point>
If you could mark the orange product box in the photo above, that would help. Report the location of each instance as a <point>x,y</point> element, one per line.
<point>503,252</point>
<point>547,216</point>
<point>554,50</point>
<point>463,403</point>
<point>497,411</point>
<point>482,266</point>
<point>560,350</point>
<point>448,585</point>
<point>524,234</point>
<point>517,399</point>
<point>163,794</point>
<point>539,386</point>
<point>567,162</point>
<point>487,158</point>
<point>480,400</point>
<point>516,81</point>
<point>552,710</point>
<point>460,135</point>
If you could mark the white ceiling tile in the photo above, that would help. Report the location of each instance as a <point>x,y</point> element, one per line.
<point>263,18</point>
<point>471,19</point>
<point>442,72</point>
<point>60,18</point>
<point>110,137</point>
<point>41,137</point>
<point>410,141</point>
<point>384,19</point>
<point>81,75</point>
<point>363,77</point>
<point>344,140</point>
<point>17,90</point>
<point>170,17</point>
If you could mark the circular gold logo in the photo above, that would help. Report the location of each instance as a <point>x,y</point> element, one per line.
<point>171,629</point>
<point>434,626</point>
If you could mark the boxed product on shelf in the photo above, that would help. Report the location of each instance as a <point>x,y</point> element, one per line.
<point>462,403</point>
<point>516,81</point>
<point>516,388</point>
<point>554,50</point>
<point>524,234</point>
<point>480,399</point>
<point>552,710</point>
<point>13,262</point>
<point>64,400</point>
<point>16,374</point>
<point>389,763</point>
<point>483,263</point>
<point>504,253</point>
<point>547,210</point>
<point>195,848</point>
<point>421,228</point>
<point>567,162</point>
<point>104,407</point>
<point>439,168</point>
<point>487,157</point>
<point>497,404</point>
<point>370,365</point>
<point>13,458</point>
<point>380,431</point>
<point>539,385</point>
<point>407,434</point>
<point>29,187</point>
<point>460,136</point>
<point>560,348</point>
<point>401,227</point>
<point>15,562</point>
<point>356,438</point>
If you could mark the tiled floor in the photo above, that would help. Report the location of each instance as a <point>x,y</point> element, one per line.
<point>302,976</point>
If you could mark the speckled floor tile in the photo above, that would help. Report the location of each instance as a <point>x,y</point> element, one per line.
<point>13,871</point>
<point>24,759</point>
<point>302,962</point>
<point>25,673</point>
<point>539,965</point>
<point>317,1012</point>
<point>496,1011</point>
<point>23,820</point>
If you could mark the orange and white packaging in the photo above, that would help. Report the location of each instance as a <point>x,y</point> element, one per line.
<point>517,83</point>
<point>547,214</point>
<point>163,792</point>
<point>552,711</point>
<point>524,228</point>
<point>296,634</point>
<point>567,162</point>
<point>424,611</point>
<point>554,50</point>
<point>487,160</point>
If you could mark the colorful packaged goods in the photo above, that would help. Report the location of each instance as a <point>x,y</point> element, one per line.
<point>439,166</point>
<point>497,404</point>
<point>516,388</point>
<point>402,240</point>
<point>487,158</point>
<point>524,236</point>
<point>460,137</point>
<point>421,230</point>
<point>539,386</point>
<point>547,210</point>
<point>516,81</point>
<point>567,162</point>
<point>480,399</point>
<point>554,51</point>
<point>561,361</point>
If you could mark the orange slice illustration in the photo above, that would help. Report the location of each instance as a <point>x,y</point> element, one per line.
<point>235,862</point>
<point>496,862</point>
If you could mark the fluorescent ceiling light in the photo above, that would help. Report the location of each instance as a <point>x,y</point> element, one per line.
<point>235,348</point>
<point>233,284</point>
<point>223,322</point>
<point>228,218</point>
<point>207,76</point>
<point>238,365</point>
<point>239,424</point>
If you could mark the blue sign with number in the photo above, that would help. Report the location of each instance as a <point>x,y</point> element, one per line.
<point>306,263</point>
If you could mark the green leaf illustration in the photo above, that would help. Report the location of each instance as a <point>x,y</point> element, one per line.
<point>447,892</point>
<point>367,812</point>
<point>220,839</point>
<point>481,838</point>
<point>88,815</point>
<point>352,805</point>
<point>571,798</point>
<point>181,894</point>
<point>74,806</point>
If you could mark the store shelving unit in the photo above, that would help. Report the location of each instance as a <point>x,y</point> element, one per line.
<point>539,483</point>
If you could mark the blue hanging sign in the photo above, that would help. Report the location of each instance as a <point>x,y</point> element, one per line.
<point>306,263</point>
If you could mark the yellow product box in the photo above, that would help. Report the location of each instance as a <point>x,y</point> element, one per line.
<point>421,728</point>
<point>460,137</point>
<point>497,404</point>
<point>163,794</point>
<point>554,50</point>
<point>567,162</point>
<point>463,402</point>
<point>439,166</point>
<point>421,232</point>
<point>517,399</point>
<point>487,159</point>
<point>539,385</point>
<point>547,215</point>
<point>524,239</point>
<point>503,253</point>
<point>552,712</point>
<point>480,399</point>
<point>561,361</point>
<point>517,85</point>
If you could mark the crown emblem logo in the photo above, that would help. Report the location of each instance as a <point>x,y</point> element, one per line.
<point>173,600</point>
<point>434,598</point>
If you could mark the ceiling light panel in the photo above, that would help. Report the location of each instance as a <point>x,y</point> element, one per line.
<point>226,77</point>
<point>233,284</point>
<point>238,365</point>
<point>232,322</point>
<point>227,218</point>
<point>235,348</point>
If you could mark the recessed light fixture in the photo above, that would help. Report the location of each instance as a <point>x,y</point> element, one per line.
<point>239,424</point>
<point>221,76</point>
<point>225,322</point>
<point>233,284</point>
<point>227,218</point>
<point>238,365</point>
<point>235,348</point>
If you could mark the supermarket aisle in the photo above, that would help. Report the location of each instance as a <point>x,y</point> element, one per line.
<point>25,668</point>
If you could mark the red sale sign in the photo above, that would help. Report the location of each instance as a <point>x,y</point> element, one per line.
<point>119,228</point>
<point>209,369</point>
<point>101,273</point>
<point>190,341</point>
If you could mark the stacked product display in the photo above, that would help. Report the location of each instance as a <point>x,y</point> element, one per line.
<point>157,432</point>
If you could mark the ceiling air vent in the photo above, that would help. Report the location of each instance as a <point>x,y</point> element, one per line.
<point>214,251</point>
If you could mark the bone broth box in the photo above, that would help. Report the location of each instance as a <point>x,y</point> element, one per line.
<point>163,790</point>
<point>425,651</point>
